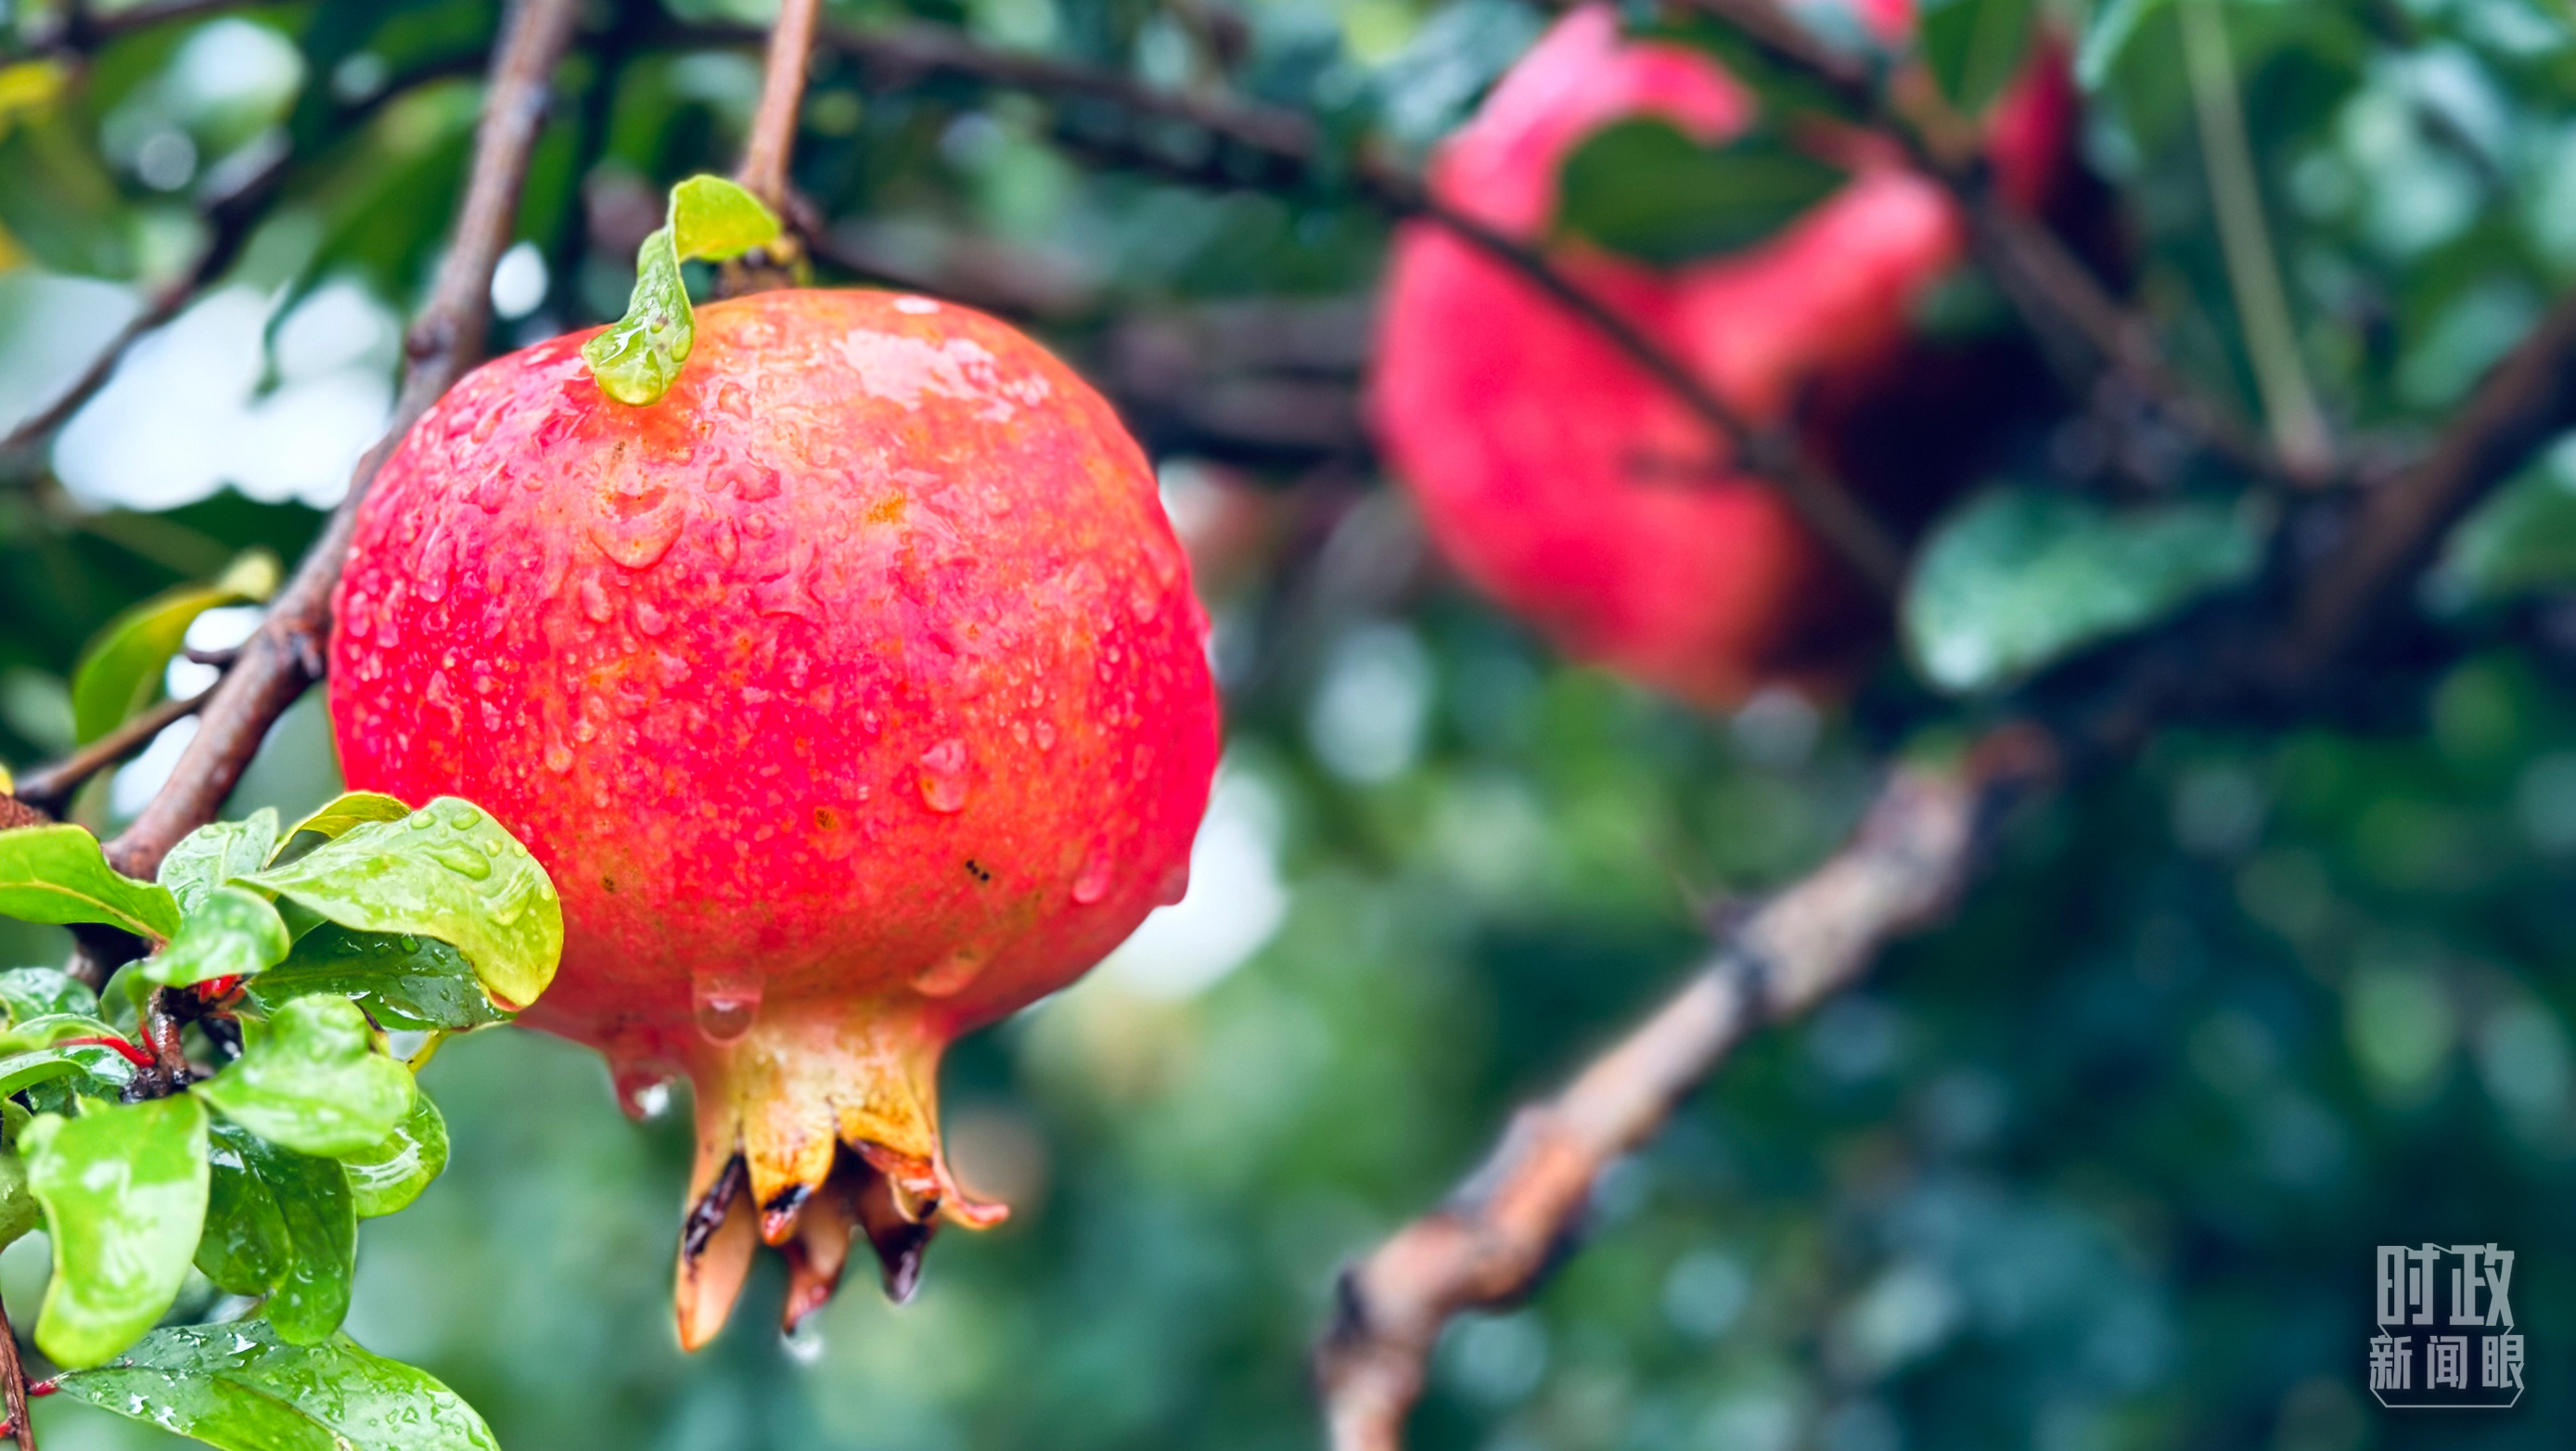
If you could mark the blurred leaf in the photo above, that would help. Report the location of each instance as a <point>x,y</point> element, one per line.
<point>103,1068</point>
<point>1642,188</point>
<point>2107,37</point>
<point>1974,47</point>
<point>124,1191</point>
<point>2021,577</point>
<point>60,202</point>
<point>388,1177</point>
<point>217,852</point>
<point>280,1225</point>
<point>244,1387</point>
<point>638,356</point>
<point>402,981</point>
<point>19,1211</point>
<point>2521,539</point>
<point>233,933</point>
<point>447,871</point>
<point>121,671</point>
<point>33,992</point>
<point>351,808</point>
<point>310,1079</point>
<point>57,874</point>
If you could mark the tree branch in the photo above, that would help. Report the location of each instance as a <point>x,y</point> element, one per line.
<point>1913,853</point>
<point>286,656</point>
<point>763,172</point>
<point>13,1387</point>
<point>50,787</point>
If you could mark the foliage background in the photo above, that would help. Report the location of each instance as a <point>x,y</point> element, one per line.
<point>2099,1166</point>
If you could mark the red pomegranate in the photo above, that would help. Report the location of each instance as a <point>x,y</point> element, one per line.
<point>854,694</point>
<point>1565,481</point>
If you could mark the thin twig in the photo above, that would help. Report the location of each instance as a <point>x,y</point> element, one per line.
<point>50,787</point>
<point>286,656</point>
<point>2253,273</point>
<point>1913,853</point>
<point>765,153</point>
<point>13,1386</point>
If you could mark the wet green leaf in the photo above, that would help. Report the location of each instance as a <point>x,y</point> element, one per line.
<point>245,1387</point>
<point>1643,188</point>
<point>281,1225</point>
<point>2020,577</point>
<point>351,809</point>
<point>388,1177</point>
<point>121,671</point>
<point>124,1192</point>
<point>402,981</point>
<point>636,358</point>
<point>34,992</point>
<point>446,871</point>
<point>1975,47</point>
<point>19,1211</point>
<point>217,852</point>
<point>56,874</point>
<point>105,1069</point>
<point>232,933</point>
<point>310,1079</point>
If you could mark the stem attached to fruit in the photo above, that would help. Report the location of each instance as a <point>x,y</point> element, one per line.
<point>278,663</point>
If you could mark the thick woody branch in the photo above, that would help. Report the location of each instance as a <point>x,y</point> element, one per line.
<point>277,664</point>
<point>1913,853</point>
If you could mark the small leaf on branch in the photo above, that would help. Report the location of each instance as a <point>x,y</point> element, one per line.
<point>1644,189</point>
<point>2020,577</point>
<point>35,992</point>
<point>1975,47</point>
<point>446,871</point>
<point>124,1193</point>
<point>311,1080</point>
<point>388,1177</point>
<point>280,1225</point>
<point>57,874</point>
<point>402,981</point>
<point>121,671</point>
<point>232,933</point>
<point>217,852</point>
<point>244,1387</point>
<point>350,809</point>
<point>636,358</point>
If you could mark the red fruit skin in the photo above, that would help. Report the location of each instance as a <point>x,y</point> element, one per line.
<point>863,666</point>
<point>1568,483</point>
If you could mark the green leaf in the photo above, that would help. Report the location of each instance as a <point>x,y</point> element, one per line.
<point>233,933</point>
<point>402,981</point>
<point>1642,188</point>
<point>217,852</point>
<point>311,1080</point>
<point>34,992</point>
<point>19,1211</point>
<point>124,1192</point>
<point>281,1225</point>
<point>245,1387</point>
<point>637,356</point>
<point>106,1070</point>
<point>121,671</point>
<point>2114,25</point>
<point>388,1177</point>
<point>2521,539</point>
<point>2020,577</point>
<point>1974,47</point>
<point>351,809</point>
<point>57,874</point>
<point>446,871</point>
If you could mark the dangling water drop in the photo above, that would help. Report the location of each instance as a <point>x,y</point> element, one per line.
<point>725,1001</point>
<point>943,776</point>
<point>643,1091</point>
<point>951,974</point>
<point>1093,883</point>
<point>1175,885</point>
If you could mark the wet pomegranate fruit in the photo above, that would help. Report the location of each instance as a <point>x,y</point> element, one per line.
<point>1565,481</point>
<point>854,693</point>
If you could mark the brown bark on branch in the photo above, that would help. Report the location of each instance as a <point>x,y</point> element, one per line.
<point>1912,854</point>
<point>50,787</point>
<point>277,664</point>
<point>763,172</point>
<point>13,1387</point>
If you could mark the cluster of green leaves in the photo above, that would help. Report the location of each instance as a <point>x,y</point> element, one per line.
<point>249,1150</point>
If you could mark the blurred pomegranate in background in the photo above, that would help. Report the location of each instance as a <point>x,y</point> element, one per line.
<point>1566,482</point>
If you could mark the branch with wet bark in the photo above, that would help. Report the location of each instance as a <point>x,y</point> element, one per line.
<point>1919,848</point>
<point>285,657</point>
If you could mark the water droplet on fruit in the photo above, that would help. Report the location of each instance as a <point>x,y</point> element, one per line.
<point>649,618</point>
<point>1144,601</point>
<point>943,776</point>
<point>950,974</point>
<point>1093,883</point>
<point>594,600</point>
<point>558,757</point>
<point>725,1001</point>
<point>437,562</point>
<point>1046,735</point>
<point>1175,885</point>
<point>917,306</point>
